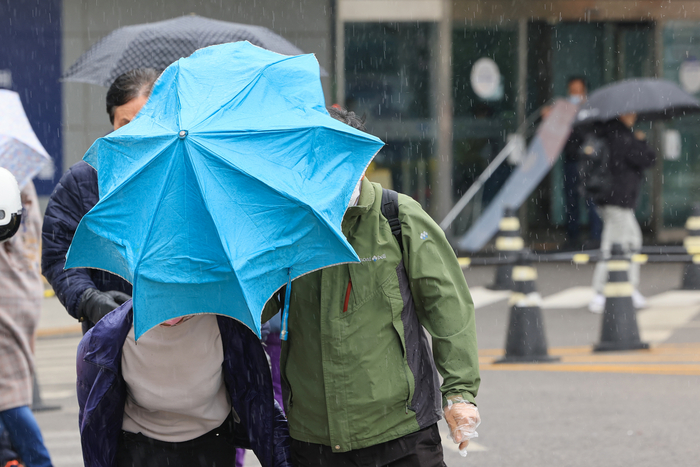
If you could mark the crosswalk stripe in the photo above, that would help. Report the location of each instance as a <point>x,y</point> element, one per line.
<point>667,311</point>
<point>483,297</point>
<point>658,324</point>
<point>76,460</point>
<point>674,298</point>
<point>574,297</point>
<point>48,395</point>
<point>52,436</point>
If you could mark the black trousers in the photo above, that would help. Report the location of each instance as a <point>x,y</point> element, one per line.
<point>420,449</point>
<point>213,449</point>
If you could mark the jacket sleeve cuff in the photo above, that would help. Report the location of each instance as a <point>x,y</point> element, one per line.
<point>457,396</point>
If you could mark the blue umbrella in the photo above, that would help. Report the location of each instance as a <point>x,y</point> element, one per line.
<point>232,180</point>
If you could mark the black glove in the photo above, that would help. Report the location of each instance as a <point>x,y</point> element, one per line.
<point>94,305</point>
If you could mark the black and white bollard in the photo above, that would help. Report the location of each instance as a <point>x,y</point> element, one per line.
<point>691,243</point>
<point>619,330</point>
<point>508,244</point>
<point>526,340</point>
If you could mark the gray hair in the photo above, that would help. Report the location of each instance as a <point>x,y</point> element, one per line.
<point>347,117</point>
<point>130,85</point>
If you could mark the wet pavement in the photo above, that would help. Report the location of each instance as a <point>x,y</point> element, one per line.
<point>614,409</point>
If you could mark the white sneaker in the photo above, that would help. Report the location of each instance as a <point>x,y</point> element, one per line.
<point>638,299</point>
<point>597,304</point>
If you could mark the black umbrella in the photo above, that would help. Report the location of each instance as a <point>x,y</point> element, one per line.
<point>650,99</point>
<point>157,45</point>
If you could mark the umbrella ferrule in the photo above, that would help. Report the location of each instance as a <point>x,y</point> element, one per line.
<point>182,134</point>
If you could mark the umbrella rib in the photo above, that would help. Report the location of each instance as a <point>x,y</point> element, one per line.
<point>177,95</point>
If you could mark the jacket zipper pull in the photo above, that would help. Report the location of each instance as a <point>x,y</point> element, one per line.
<point>347,296</point>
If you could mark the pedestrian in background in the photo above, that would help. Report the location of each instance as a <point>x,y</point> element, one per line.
<point>578,91</point>
<point>21,292</point>
<point>359,378</point>
<point>89,294</point>
<point>629,157</point>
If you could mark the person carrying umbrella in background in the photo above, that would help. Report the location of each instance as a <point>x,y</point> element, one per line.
<point>88,294</point>
<point>359,377</point>
<point>629,156</point>
<point>613,159</point>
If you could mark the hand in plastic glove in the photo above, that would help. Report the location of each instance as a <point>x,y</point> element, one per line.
<point>94,305</point>
<point>463,418</point>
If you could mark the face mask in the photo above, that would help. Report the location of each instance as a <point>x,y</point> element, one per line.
<point>576,99</point>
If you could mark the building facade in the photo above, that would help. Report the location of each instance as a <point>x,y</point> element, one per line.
<point>409,65</point>
<point>443,82</point>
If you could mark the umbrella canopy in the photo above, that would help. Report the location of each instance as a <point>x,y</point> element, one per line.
<point>20,150</point>
<point>232,179</point>
<point>650,99</point>
<point>157,45</point>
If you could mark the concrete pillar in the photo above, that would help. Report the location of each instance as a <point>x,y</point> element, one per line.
<point>441,180</point>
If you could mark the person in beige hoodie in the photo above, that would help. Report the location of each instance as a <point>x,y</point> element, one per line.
<point>21,291</point>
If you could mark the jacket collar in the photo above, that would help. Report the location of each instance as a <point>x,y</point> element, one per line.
<point>364,202</point>
<point>107,338</point>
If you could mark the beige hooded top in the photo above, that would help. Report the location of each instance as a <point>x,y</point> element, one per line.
<point>21,292</point>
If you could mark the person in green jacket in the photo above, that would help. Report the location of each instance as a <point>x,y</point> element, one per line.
<point>360,381</point>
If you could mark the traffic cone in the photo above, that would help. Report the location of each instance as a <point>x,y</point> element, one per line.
<point>619,330</point>
<point>508,243</point>
<point>526,340</point>
<point>691,271</point>
<point>37,403</point>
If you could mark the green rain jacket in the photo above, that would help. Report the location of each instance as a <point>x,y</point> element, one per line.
<point>357,369</point>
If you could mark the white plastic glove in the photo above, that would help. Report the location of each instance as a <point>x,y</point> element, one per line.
<point>462,417</point>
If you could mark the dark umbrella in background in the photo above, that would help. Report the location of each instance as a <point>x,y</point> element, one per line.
<point>650,99</point>
<point>157,45</point>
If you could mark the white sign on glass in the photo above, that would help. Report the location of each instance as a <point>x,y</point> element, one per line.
<point>672,145</point>
<point>689,75</point>
<point>486,79</point>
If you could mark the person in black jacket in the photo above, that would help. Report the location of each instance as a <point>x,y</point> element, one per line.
<point>88,294</point>
<point>629,157</point>
<point>577,89</point>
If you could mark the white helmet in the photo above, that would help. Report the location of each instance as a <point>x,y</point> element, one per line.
<point>10,205</point>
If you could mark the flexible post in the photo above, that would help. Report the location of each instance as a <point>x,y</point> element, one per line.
<point>619,330</point>
<point>508,244</point>
<point>526,341</point>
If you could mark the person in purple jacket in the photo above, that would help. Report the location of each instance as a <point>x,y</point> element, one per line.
<point>88,294</point>
<point>193,390</point>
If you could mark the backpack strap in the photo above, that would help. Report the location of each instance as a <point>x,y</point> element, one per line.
<point>390,210</point>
